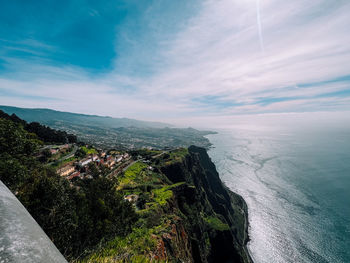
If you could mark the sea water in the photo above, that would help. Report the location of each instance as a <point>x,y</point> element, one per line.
<point>296,182</point>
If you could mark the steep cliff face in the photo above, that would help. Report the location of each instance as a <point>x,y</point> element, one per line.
<point>185,213</point>
<point>213,219</point>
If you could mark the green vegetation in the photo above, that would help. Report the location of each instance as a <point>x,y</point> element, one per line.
<point>43,132</point>
<point>56,164</point>
<point>166,207</point>
<point>178,153</point>
<point>88,151</point>
<point>162,195</point>
<point>134,247</point>
<point>216,223</point>
<point>76,217</point>
<point>134,170</point>
<point>174,156</point>
<point>153,193</point>
<point>132,175</point>
<point>84,151</point>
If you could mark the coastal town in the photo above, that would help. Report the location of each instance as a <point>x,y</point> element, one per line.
<point>84,161</point>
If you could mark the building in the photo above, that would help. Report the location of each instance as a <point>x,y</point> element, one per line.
<point>111,162</point>
<point>53,151</point>
<point>119,158</point>
<point>73,175</point>
<point>100,162</point>
<point>66,170</point>
<point>85,162</point>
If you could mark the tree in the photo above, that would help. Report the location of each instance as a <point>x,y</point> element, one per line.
<point>80,153</point>
<point>45,155</point>
<point>75,217</point>
<point>16,150</point>
<point>93,170</point>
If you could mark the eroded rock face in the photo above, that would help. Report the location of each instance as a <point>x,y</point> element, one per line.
<point>21,238</point>
<point>204,201</point>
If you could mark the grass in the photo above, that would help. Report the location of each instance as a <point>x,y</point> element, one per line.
<point>134,170</point>
<point>131,175</point>
<point>162,195</point>
<point>176,155</point>
<point>216,223</point>
<point>139,178</point>
<point>89,150</point>
<point>135,247</point>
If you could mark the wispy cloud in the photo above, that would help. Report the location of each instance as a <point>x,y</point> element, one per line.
<point>220,58</point>
<point>258,20</point>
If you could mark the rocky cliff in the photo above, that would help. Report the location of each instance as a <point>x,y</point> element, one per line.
<point>186,214</point>
<point>215,219</point>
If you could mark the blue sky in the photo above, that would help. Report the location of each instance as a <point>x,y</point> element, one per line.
<point>176,60</point>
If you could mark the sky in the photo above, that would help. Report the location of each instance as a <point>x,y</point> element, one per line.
<point>185,62</point>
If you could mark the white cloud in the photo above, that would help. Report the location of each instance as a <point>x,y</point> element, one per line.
<point>216,53</point>
<point>219,52</point>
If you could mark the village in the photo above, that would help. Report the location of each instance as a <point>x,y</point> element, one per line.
<point>84,161</point>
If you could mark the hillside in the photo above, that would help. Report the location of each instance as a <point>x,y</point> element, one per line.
<point>107,132</point>
<point>117,206</point>
<point>185,213</point>
<point>56,118</point>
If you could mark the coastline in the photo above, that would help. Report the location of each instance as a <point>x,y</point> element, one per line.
<point>246,223</point>
<point>227,203</point>
<point>245,207</point>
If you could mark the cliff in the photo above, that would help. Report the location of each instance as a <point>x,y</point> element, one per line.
<point>215,218</point>
<point>193,217</point>
<point>164,206</point>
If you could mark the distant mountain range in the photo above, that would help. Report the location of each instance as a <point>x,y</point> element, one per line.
<point>52,117</point>
<point>108,132</point>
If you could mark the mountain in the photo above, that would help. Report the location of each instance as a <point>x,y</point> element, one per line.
<point>53,118</point>
<point>107,132</point>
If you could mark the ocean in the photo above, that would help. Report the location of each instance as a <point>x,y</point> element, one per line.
<point>296,182</point>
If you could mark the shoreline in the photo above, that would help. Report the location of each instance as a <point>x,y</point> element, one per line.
<point>246,222</point>
<point>245,208</point>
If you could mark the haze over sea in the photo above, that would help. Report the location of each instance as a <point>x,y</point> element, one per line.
<point>295,180</point>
